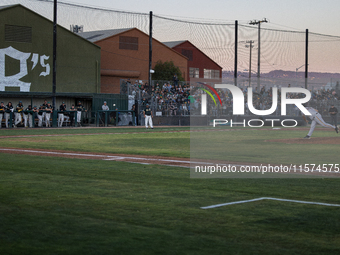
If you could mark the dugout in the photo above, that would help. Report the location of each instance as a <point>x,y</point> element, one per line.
<point>92,102</point>
<point>26,64</point>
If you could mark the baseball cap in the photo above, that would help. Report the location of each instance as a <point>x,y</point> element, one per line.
<point>104,102</point>
<point>63,102</point>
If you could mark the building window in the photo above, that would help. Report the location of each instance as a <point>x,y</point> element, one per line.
<point>211,74</point>
<point>188,54</point>
<point>128,43</point>
<point>215,74</point>
<point>18,34</point>
<point>194,72</point>
<point>207,74</point>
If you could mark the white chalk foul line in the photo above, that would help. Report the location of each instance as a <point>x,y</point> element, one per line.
<point>269,198</point>
<point>106,157</point>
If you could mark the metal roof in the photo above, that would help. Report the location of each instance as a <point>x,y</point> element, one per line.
<point>6,6</point>
<point>173,43</point>
<point>94,36</point>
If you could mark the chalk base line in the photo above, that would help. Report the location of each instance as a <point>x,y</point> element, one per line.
<point>269,198</point>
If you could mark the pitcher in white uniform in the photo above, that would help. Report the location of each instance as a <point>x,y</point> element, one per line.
<point>316,118</point>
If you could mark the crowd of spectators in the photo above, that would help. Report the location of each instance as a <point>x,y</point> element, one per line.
<point>176,99</point>
<point>166,97</point>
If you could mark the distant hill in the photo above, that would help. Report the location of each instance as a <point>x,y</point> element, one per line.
<point>316,80</point>
<point>285,74</point>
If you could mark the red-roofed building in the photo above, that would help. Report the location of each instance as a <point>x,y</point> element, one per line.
<point>200,67</point>
<point>125,55</point>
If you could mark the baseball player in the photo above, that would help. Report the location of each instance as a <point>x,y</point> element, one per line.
<point>44,107</point>
<point>61,116</point>
<point>41,111</point>
<point>32,115</point>
<point>9,109</point>
<point>316,118</point>
<point>72,110</point>
<point>27,115</point>
<point>49,110</point>
<point>17,114</point>
<point>148,116</point>
<point>80,108</point>
<point>333,112</point>
<point>2,112</point>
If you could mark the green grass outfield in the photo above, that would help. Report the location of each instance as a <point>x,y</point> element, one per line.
<point>237,144</point>
<point>52,205</point>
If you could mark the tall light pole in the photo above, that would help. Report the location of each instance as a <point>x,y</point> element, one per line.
<point>258,22</point>
<point>54,76</point>
<point>250,46</point>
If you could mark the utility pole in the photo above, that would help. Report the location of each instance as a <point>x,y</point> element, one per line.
<point>306,61</point>
<point>258,22</point>
<point>54,76</point>
<point>150,46</point>
<point>250,46</point>
<point>236,48</point>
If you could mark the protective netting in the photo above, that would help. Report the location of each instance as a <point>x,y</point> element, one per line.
<point>280,49</point>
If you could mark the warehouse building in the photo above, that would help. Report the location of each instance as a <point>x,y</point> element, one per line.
<point>125,55</point>
<point>26,63</point>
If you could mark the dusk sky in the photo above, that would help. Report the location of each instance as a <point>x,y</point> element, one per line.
<point>280,50</point>
<point>318,16</point>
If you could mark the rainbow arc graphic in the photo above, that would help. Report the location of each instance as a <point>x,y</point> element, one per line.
<point>209,93</point>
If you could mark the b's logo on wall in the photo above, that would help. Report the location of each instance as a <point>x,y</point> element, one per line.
<point>22,57</point>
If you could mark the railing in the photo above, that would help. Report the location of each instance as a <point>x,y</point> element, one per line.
<point>115,117</point>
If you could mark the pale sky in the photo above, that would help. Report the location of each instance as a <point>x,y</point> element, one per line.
<point>319,16</point>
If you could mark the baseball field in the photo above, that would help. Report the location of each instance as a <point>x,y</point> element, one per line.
<point>129,191</point>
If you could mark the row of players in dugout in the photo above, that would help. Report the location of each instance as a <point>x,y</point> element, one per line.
<point>26,116</point>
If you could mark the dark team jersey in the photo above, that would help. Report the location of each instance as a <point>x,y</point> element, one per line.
<point>9,109</point>
<point>2,109</point>
<point>49,109</point>
<point>62,108</point>
<point>333,110</point>
<point>148,111</point>
<point>28,111</point>
<point>20,108</point>
<point>72,110</point>
<point>79,108</point>
<point>41,110</point>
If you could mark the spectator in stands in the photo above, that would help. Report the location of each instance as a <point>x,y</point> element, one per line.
<point>175,80</point>
<point>173,108</point>
<point>105,107</point>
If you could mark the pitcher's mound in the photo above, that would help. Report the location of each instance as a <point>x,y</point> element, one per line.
<point>312,140</point>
